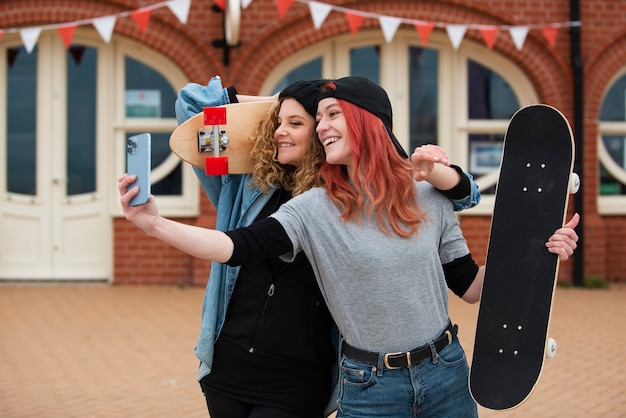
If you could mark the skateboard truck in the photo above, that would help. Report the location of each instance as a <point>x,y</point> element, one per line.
<point>212,139</point>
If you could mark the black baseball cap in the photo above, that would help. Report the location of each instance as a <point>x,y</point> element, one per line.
<point>366,94</point>
<point>304,92</point>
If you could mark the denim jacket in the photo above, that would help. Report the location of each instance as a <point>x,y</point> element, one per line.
<point>237,205</point>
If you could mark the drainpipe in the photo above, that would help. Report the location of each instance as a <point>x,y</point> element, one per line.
<point>577,70</point>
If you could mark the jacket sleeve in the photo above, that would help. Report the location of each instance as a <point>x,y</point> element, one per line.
<point>465,194</point>
<point>194,97</point>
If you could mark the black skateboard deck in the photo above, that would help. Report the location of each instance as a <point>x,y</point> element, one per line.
<point>520,276</point>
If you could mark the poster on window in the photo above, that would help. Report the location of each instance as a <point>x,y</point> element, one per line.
<point>485,157</point>
<point>143,103</point>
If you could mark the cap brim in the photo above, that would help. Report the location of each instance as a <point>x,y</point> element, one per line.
<point>396,143</point>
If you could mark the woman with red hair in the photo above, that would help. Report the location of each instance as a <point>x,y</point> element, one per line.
<point>384,249</point>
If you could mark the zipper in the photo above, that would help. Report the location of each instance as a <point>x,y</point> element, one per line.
<point>270,293</point>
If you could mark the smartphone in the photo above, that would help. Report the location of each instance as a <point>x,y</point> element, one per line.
<point>138,162</point>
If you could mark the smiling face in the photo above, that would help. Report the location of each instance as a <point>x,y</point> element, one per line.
<point>332,130</point>
<point>294,129</point>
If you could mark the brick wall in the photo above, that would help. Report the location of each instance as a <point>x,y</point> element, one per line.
<point>266,41</point>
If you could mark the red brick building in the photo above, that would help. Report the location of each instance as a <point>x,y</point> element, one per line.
<point>81,76</point>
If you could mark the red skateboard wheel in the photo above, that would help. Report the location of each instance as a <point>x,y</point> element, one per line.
<point>214,116</point>
<point>216,166</point>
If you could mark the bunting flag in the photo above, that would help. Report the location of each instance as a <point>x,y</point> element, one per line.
<point>319,11</point>
<point>104,25</point>
<point>283,6</point>
<point>354,22</point>
<point>180,9</point>
<point>456,32</point>
<point>141,18</point>
<point>67,32</point>
<point>390,26</point>
<point>424,30</point>
<point>519,33</point>
<point>29,38</point>
<point>550,34</point>
<point>489,35</point>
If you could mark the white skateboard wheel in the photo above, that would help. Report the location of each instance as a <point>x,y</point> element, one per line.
<point>551,349</point>
<point>574,183</point>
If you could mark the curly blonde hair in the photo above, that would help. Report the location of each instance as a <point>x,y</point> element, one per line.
<point>268,172</point>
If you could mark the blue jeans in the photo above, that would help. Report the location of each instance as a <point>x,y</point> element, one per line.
<point>435,387</point>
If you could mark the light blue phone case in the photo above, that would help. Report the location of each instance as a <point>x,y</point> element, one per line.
<point>138,162</point>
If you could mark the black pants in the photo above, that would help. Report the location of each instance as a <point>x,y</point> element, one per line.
<point>221,406</point>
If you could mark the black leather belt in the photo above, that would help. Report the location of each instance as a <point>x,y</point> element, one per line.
<point>399,360</point>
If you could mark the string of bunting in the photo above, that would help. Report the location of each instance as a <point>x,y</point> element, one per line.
<point>104,25</point>
<point>319,12</point>
<point>390,24</point>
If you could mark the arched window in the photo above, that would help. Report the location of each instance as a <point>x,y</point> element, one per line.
<point>612,148</point>
<point>459,99</point>
<point>66,114</point>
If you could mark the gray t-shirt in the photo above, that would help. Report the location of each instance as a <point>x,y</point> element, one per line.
<point>385,293</point>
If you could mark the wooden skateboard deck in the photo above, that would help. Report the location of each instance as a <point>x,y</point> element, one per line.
<point>520,277</point>
<point>192,141</point>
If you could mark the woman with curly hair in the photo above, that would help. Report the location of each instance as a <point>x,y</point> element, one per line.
<point>267,343</point>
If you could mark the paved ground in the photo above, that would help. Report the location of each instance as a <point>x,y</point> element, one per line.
<point>110,351</point>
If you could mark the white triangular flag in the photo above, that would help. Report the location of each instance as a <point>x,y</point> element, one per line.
<point>180,8</point>
<point>319,12</point>
<point>518,33</point>
<point>389,25</point>
<point>245,3</point>
<point>104,26</point>
<point>456,34</point>
<point>29,38</point>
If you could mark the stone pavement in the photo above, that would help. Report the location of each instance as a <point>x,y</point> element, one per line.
<point>95,350</point>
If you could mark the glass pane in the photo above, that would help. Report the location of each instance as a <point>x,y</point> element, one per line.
<point>171,185</point>
<point>311,70</point>
<point>485,151</point>
<point>423,96</point>
<point>614,106</point>
<point>81,120</point>
<point>365,62</point>
<point>616,147</point>
<point>148,93</point>
<point>490,96</point>
<point>21,115</point>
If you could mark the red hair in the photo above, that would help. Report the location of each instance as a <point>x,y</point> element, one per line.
<point>386,179</point>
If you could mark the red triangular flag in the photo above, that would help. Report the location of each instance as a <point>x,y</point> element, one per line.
<point>283,6</point>
<point>1,33</point>
<point>141,18</point>
<point>489,35</point>
<point>220,3</point>
<point>550,34</point>
<point>354,21</point>
<point>67,33</point>
<point>424,30</point>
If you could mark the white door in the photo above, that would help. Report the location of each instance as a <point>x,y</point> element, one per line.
<point>54,220</point>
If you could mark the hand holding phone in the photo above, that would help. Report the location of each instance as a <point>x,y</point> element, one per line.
<point>138,163</point>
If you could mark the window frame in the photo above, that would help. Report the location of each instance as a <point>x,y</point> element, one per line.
<point>187,203</point>
<point>610,205</point>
